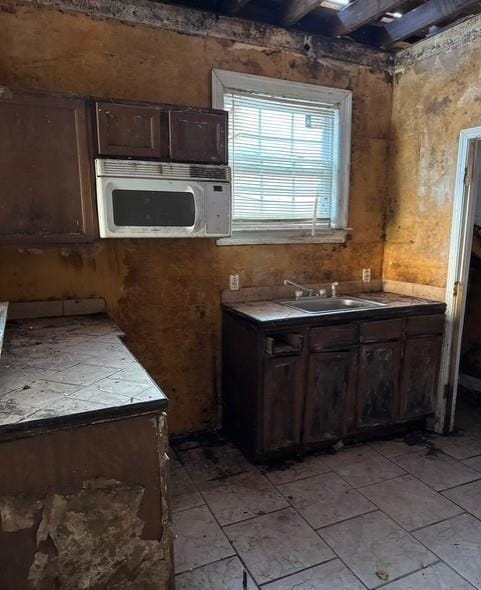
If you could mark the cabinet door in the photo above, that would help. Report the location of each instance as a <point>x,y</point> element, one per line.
<point>198,137</point>
<point>131,130</point>
<point>329,409</point>
<point>420,376</point>
<point>378,383</point>
<point>45,170</point>
<point>282,404</point>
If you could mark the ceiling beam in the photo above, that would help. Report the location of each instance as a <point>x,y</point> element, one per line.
<point>294,10</point>
<point>360,12</point>
<point>231,7</point>
<point>421,18</point>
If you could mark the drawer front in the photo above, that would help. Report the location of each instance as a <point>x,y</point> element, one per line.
<point>333,337</point>
<point>427,324</point>
<point>380,331</point>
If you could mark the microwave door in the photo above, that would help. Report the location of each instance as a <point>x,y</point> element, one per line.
<point>152,208</point>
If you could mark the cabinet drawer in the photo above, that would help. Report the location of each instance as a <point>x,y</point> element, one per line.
<point>333,337</point>
<point>427,324</point>
<point>131,130</point>
<point>381,330</point>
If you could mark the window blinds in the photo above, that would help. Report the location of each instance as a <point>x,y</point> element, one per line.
<point>284,158</point>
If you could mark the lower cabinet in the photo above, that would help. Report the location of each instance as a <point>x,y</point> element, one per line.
<point>311,384</point>
<point>419,378</point>
<point>282,407</point>
<point>378,383</point>
<point>329,402</point>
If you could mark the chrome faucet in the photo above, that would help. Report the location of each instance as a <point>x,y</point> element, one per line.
<point>334,289</point>
<point>301,290</point>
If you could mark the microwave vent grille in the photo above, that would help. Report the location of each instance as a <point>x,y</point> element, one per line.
<point>144,169</point>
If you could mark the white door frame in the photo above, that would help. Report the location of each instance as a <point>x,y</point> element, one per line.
<point>464,208</point>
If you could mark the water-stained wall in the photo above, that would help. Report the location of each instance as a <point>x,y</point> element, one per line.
<point>165,294</point>
<point>437,93</point>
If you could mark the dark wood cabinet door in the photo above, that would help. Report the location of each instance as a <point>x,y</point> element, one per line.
<point>420,376</point>
<point>329,411</point>
<point>198,137</point>
<point>378,383</point>
<point>45,170</point>
<point>133,131</point>
<point>282,402</point>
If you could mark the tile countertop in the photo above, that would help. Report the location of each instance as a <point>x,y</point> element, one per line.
<point>57,372</point>
<point>272,312</point>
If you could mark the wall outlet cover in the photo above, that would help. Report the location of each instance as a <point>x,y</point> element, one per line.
<point>234,283</point>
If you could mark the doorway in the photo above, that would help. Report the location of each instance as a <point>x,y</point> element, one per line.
<point>460,289</point>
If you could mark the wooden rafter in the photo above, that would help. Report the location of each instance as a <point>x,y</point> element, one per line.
<point>294,10</point>
<point>232,6</point>
<point>361,12</point>
<point>423,17</point>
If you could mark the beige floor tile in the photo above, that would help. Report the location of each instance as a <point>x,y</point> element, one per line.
<point>242,496</point>
<point>364,468</point>
<point>205,463</point>
<point>468,496</point>
<point>473,462</point>
<point>325,499</point>
<point>276,545</point>
<point>294,470</point>
<point>457,541</point>
<point>376,549</point>
<point>328,576</point>
<point>437,470</point>
<point>435,577</point>
<point>198,539</point>
<point>183,493</point>
<point>222,575</point>
<point>410,503</point>
<point>395,447</point>
<point>459,446</point>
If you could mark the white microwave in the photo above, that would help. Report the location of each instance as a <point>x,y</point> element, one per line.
<point>141,199</point>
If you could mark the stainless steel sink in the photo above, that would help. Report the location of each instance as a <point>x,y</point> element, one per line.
<point>331,304</point>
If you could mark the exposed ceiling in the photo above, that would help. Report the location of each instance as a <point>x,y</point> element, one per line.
<point>389,24</point>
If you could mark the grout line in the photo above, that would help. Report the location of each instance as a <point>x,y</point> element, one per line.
<point>426,526</point>
<point>305,569</point>
<point>327,544</point>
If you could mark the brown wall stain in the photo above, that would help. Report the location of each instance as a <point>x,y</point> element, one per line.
<point>433,101</point>
<point>165,294</point>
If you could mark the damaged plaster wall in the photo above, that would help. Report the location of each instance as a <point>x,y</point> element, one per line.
<point>165,294</point>
<point>78,509</point>
<point>437,93</point>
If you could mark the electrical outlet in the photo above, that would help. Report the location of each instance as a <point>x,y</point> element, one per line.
<point>234,283</point>
<point>366,275</point>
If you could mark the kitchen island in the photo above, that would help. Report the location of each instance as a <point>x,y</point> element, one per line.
<point>83,460</point>
<point>294,380</point>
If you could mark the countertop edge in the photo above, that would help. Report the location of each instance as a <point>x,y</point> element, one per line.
<point>89,418</point>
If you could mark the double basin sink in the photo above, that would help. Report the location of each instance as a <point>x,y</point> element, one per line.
<point>330,304</point>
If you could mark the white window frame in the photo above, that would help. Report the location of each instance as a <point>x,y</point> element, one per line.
<point>224,81</point>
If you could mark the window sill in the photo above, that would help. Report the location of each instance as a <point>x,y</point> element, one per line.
<point>244,238</point>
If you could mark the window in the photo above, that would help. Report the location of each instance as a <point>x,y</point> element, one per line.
<point>289,146</point>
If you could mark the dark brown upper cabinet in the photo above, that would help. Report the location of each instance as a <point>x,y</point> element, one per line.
<point>197,136</point>
<point>45,169</point>
<point>132,131</point>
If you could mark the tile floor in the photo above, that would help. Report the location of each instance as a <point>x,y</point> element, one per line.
<point>383,514</point>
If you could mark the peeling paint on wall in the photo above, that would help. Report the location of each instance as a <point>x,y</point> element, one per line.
<point>165,294</point>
